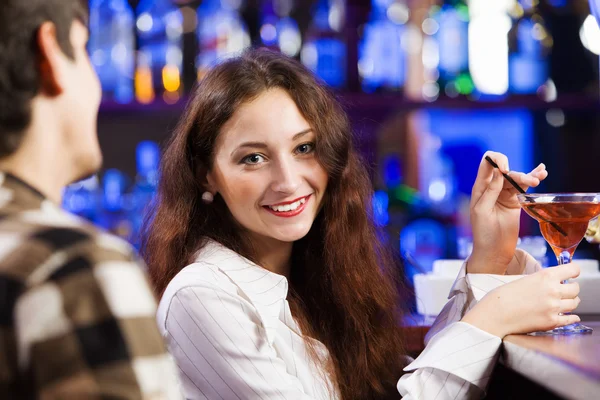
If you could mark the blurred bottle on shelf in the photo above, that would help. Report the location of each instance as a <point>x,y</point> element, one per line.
<point>160,56</point>
<point>446,50</point>
<point>268,25</point>
<point>437,179</point>
<point>489,25</point>
<point>530,45</point>
<point>279,31</point>
<point>112,47</point>
<point>422,242</point>
<point>113,214</point>
<point>380,203</point>
<point>144,189</point>
<point>82,198</point>
<point>222,33</point>
<point>324,51</point>
<point>382,51</point>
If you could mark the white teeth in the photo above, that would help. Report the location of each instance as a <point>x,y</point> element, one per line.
<point>288,207</point>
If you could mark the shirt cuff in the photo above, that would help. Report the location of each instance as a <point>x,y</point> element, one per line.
<point>461,350</point>
<point>480,284</point>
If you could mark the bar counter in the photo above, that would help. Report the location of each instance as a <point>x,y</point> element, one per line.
<point>568,366</point>
<point>532,367</point>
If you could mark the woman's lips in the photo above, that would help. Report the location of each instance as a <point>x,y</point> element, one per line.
<point>290,213</point>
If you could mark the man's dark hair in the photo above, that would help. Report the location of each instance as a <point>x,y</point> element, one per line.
<point>20,21</point>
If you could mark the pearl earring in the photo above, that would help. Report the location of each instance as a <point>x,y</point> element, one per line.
<point>207,197</point>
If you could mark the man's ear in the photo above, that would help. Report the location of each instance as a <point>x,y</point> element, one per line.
<point>51,58</point>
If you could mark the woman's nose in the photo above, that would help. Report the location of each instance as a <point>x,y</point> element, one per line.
<point>286,177</point>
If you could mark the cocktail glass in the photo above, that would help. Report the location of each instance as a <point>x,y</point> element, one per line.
<point>563,219</point>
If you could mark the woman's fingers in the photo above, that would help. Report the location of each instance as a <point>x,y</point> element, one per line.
<point>539,169</point>
<point>564,272</point>
<point>531,179</point>
<point>485,173</point>
<point>523,180</point>
<point>488,199</point>
<point>567,319</point>
<point>569,290</point>
<point>568,305</point>
<point>540,172</point>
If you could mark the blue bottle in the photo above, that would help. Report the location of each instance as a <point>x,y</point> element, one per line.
<point>289,38</point>
<point>278,30</point>
<point>82,198</point>
<point>382,59</point>
<point>144,189</point>
<point>113,216</point>
<point>452,37</point>
<point>530,44</point>
<point>160,56</point>
<point>380,204</point>
<point>324,51</point>
<point>112,47</point>
<point>268,25</point>
<point>222,33</point>
<point>114,185</point>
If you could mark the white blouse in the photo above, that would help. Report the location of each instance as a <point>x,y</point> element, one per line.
<point>228,324</point>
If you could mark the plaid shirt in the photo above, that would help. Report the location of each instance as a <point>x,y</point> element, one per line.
<point>77,317</point>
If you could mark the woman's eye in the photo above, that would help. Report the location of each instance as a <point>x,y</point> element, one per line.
<point>305,148</point>
<point>253,159</point>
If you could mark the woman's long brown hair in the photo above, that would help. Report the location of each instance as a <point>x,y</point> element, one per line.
<point>343,290</point>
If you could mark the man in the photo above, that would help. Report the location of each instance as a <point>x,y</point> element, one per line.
<point>77,317</point>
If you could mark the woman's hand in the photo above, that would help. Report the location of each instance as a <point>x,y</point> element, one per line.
<point>529,304</point>
<point>495,213</point>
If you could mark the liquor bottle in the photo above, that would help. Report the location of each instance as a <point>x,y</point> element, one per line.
<point>530,45</point>
<point>160,56</point>
<point>112,47</point>
<point>279,31</point>
<point>82,198</point>
<point>113,216</point>
<point>289,38</point>
<point>222,33</point>
<point>382,58</point>
<point>324,51</point>
<point>268,25</point>
<point>449,26</point>
<point>144,189</point>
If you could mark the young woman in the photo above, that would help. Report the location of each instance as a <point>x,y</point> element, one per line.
<point>273,282</point>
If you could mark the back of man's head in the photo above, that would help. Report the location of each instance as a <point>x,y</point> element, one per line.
<point>20,79</point>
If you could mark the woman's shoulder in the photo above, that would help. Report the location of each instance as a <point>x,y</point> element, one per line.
<point>207,273</point>
<point>207,269</point>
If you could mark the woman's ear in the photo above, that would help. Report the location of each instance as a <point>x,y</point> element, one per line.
<point>206,179</point>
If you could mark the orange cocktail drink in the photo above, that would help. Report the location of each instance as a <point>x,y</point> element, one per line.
<point>563,219</point>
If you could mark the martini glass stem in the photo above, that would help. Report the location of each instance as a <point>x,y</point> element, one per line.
<point>564,257</point>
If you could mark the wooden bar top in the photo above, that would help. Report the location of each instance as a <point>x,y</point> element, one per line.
<point>568,365</point>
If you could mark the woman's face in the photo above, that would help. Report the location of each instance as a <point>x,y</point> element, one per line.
<point>266,170</point>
